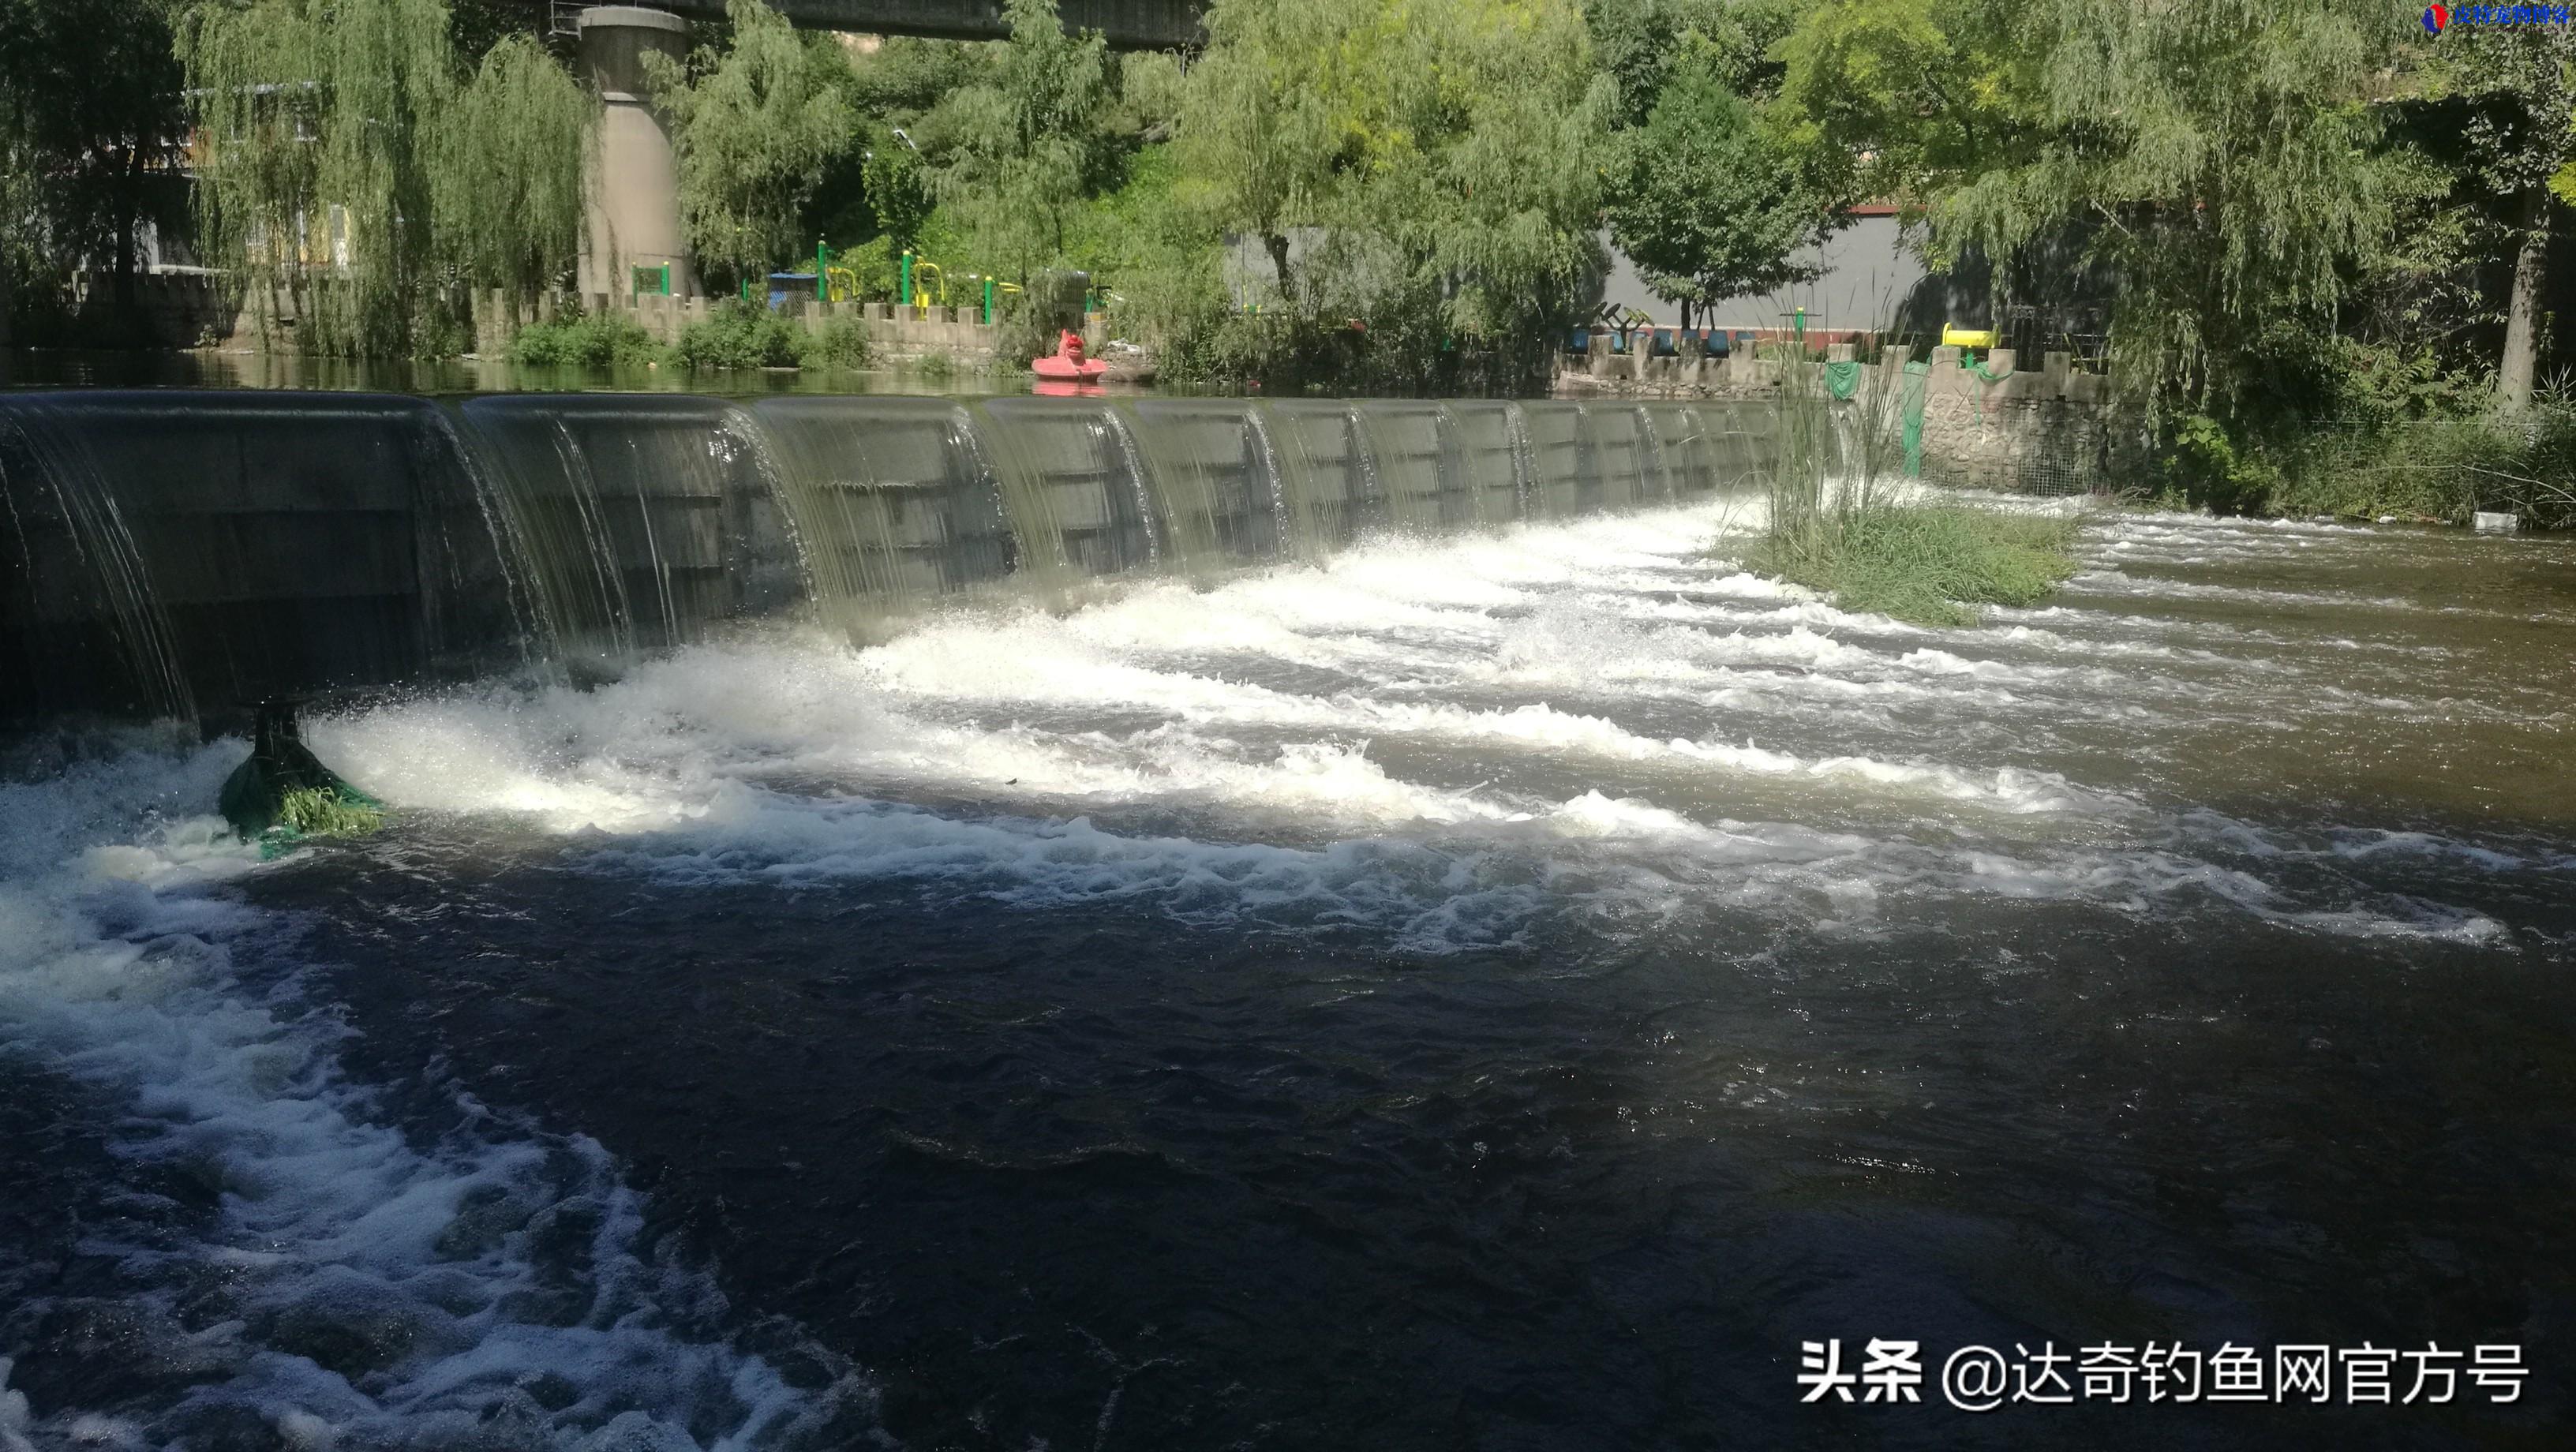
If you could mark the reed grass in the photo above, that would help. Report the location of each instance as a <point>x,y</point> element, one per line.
<point>1845,520</point>
<point>323,812</point>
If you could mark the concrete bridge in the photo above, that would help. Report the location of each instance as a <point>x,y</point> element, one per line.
<point>1127,24</point>
<point>634,221</point>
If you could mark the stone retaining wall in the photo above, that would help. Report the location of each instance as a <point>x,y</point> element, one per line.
<point>895,334</point>
<point>2045,430</point>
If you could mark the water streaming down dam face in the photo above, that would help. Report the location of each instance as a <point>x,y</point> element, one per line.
<point>172,554</point>
<point>189,555</point>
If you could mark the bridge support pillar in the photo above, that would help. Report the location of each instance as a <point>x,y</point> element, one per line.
<point>634,190</point>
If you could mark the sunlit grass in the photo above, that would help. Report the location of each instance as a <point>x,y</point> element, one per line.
<point>1931,564</point>
<point>1845,520</point>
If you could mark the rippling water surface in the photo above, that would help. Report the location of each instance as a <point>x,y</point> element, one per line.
<point>1494,993</point>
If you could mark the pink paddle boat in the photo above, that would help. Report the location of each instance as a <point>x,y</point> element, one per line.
<point>1068,362</point>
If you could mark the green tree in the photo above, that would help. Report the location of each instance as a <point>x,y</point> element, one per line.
<point>2230,172</point>
<point>1637,43</point>
<point>1706,202</point>
<point>350,164</point>
<point>2506,94</point>
<point>899,190</point>
<point>1908,98</point>
<point>1487,179</point>
<point>1442,161</point>
<point>91,124</point>
<point>318,178</point>
<point>1030,140</point>
<point>907,76</point>
<point>1271,118</point>
<point>507,190</point>
<point>478,25</point>
<point>755,126</point>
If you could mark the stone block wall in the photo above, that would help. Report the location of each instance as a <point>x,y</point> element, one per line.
<point>895,334</point>
<point>2045,430</point>
<point>2042,431</point>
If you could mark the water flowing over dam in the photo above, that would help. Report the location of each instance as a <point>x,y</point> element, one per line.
<point>1198,923</point>
<point>190,554</point>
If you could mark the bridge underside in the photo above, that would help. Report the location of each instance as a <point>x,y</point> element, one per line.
<point>1127,24</point>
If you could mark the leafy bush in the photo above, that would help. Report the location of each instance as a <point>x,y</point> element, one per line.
<point>737,335</point>
<point>611,340</point>
<point>873,263</point>
<point>842,342</point>
<point>2441,469</point>
<point>742,335</point>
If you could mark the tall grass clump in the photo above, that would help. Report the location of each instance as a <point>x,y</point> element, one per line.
<point>1845,521</point>
<point>324,812</point>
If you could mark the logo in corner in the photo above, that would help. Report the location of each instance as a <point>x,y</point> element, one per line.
<point>2437,18</point>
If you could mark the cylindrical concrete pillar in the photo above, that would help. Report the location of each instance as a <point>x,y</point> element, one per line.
<point>635,181</point>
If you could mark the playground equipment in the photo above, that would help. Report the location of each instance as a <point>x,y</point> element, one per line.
<point>832,284</point>
<point>992,289</point>
<point>909,287</point>
<point>1957,337</point>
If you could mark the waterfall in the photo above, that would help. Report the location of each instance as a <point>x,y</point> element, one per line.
<point>187,554</point>
<point>191,554</point>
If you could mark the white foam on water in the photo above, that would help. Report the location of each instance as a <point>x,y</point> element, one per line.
<point>1025,734</point>
<point>2119,582</point>
<point>127,967</point>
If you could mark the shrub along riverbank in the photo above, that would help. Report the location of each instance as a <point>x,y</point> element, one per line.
<point>735,336</point>
<point>2441,469</point>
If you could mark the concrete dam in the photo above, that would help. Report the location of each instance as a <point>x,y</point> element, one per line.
<point>188,555</point>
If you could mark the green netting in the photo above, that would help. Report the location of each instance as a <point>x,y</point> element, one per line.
<point>1977,396</point>
<point>1843,379</point>
<point>284,793</point>
<point>1910,398</point>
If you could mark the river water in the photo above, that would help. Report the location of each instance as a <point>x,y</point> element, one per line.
<point>1506,992</point>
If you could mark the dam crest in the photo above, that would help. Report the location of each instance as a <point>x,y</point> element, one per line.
<point>187,555</point>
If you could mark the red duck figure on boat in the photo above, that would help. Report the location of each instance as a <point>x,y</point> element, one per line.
<point>1068,362</point>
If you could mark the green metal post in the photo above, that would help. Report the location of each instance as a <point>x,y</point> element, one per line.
<point>666,279</point>
<point>988,299</point>
<point>822,271</point>
<point>905,300</point>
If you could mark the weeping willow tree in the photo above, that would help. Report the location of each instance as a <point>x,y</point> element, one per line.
<point>352,171</point>
<point>508,184</point>
<point>1032,139</point>
<point>2227,167</point>
<point>755,125</point>
<point>1437,165</point>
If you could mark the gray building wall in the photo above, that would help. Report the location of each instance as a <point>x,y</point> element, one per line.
<point>1868,274</point>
